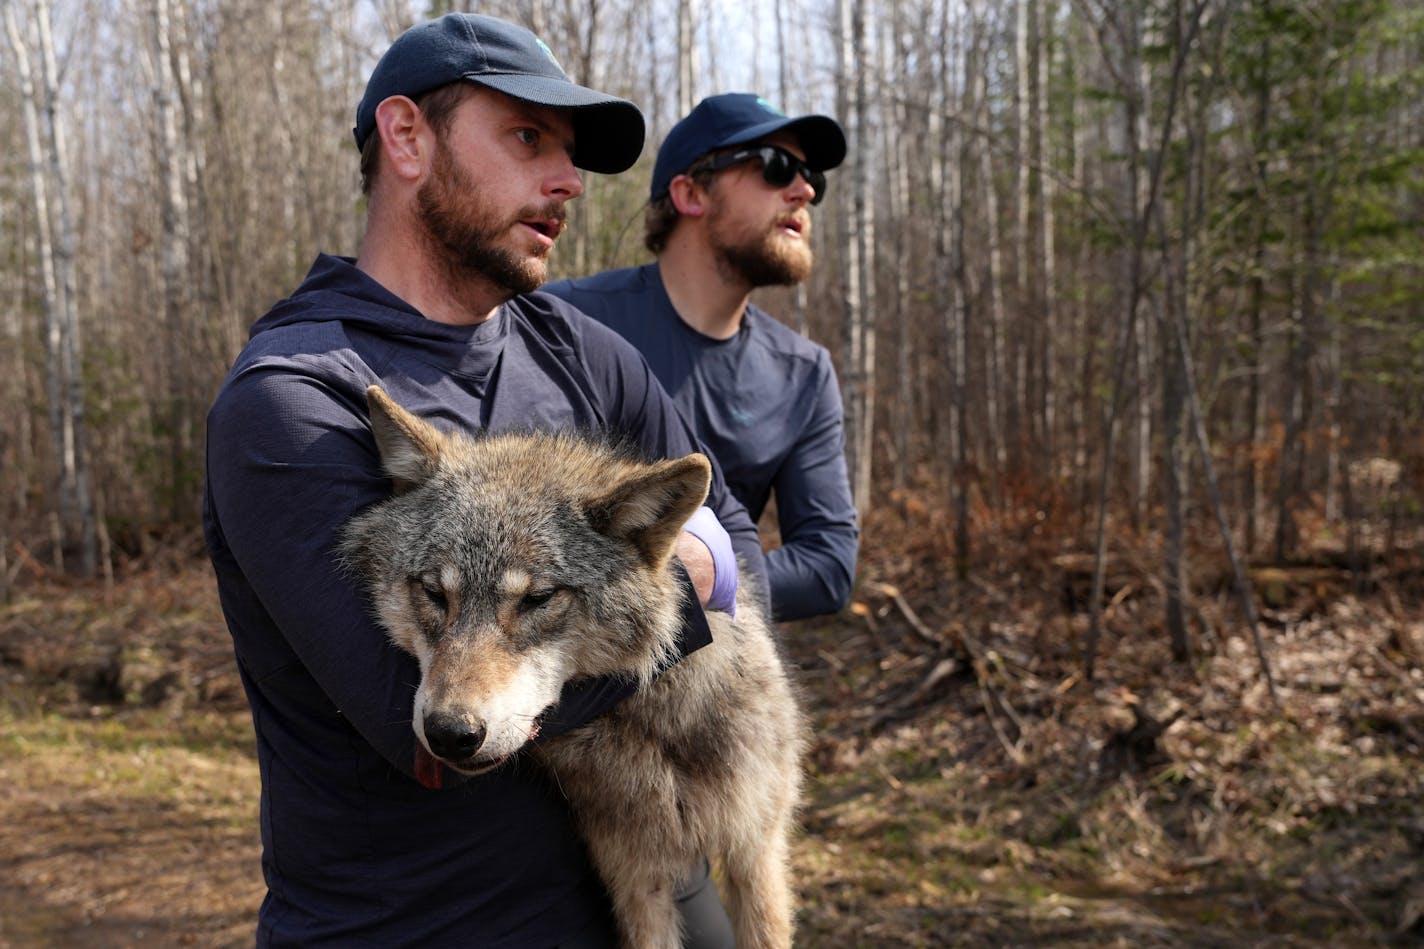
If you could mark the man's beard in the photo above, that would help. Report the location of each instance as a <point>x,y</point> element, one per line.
<point>766,260</point>
<point>463,230</point>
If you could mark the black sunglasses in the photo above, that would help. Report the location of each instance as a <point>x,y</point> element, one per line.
<point>778,167</point>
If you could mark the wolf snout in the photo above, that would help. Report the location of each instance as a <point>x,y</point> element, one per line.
<point>453,738</point>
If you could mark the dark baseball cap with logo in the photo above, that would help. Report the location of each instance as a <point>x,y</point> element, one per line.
<point>737,118</point>
<point>608,131</point>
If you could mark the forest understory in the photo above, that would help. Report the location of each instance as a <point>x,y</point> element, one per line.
<point>967,786</point>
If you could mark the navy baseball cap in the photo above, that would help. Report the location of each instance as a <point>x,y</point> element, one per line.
<point>736,118</point>
<point>608,131</point>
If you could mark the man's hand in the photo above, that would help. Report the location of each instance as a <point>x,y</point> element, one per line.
<point>697,561</point>
<point>706,553</point>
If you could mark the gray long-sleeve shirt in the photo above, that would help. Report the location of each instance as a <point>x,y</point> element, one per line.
<point>767,404</point>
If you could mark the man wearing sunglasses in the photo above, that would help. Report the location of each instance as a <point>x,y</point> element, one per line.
<point>730,212</point>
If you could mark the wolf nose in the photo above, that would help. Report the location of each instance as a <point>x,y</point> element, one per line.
<point>452,738</point>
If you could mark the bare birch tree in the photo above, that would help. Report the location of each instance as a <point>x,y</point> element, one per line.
<point>175,240</point>
<point>49,179</point>
<point>1020,345</point>
<point>1043,195</point>
<point>783,96</point>
<point>686,56</point>
<point>1119,32</point>
<point>847,230</point>
<point>997,373</point>
<point>949,157</point>
<point>863,327</point>
<point>895,141</point>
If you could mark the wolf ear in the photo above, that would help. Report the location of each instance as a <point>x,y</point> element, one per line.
<point>648,508</point>
<point>409,446</point>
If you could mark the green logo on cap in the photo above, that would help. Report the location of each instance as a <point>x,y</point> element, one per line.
<point>768,106</point>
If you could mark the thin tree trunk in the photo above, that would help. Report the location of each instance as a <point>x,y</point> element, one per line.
<point>1242,582</point>
<point>1290,485</point>
<point>1176,271</point>
<point>956,293</point>
<point>783,98</point>
<point>174,241</point>
<point>1146,181</point>
<point>1133,220</point>
<point>994,291</point>
<point>207,282</point>
<point>1173,500</point>
<point>945,154</point>
<point>852,356</point>
<point>1020,343</point>
<point>1046,290</point>
<point>1140,195</point>
<point>581,28</point>
<point>686,58</point>
<point>1080,327</point>
<point>895,142</point>
<point>862,140</point>
<point>1137,127</point>
<point>84,529</point>
<point>1334,403</point>
<point>49,284</point>
<point>1255,402</point>
<point>63,382</point>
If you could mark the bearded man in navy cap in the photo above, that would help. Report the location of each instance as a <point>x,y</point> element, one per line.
<point>730,211</point>
<point>472,138</point>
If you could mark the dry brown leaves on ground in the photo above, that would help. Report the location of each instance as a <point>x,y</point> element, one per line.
<point>967,786</point>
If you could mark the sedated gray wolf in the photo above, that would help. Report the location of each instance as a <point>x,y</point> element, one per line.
<point>509,565</point>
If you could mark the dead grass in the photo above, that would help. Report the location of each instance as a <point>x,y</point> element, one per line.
<point>128,830</point>
<point>967,787</point>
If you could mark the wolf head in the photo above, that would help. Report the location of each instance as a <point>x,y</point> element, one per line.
<point>509,565</point>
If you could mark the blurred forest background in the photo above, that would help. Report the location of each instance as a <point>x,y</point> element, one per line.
<point>1127,302</point>
<point>1089,264</point>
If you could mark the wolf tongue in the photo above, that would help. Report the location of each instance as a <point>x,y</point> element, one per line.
<point>427,768</point>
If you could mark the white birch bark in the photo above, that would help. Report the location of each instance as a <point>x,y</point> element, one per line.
<point>175,240</point>
<point>1045,287</point>
<point>997,368</point>
<point>49,179</point>
<point>895,144</point>
<point>850,274</point>
<point>862,148</point>
<point>686,58</point>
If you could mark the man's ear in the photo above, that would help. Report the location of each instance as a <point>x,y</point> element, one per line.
<point>648,508</point>
<point>399,123</point>
<point>689,197</point>
<point>409,446</point>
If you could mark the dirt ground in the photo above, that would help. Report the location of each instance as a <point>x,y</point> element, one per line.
<point>967,786</point>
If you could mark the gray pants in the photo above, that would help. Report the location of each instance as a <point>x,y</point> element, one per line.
<point>705,924</point>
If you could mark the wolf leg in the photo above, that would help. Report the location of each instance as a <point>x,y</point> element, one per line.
<point>645,909</point>
<point>641,881</point>
<point>759,893</point>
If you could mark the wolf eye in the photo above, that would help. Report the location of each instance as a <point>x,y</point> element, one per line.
<point>535,599</point>
<point>435,595</point>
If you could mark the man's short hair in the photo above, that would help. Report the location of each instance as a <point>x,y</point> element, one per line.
<point>438,106</point>
<point>662,215</point>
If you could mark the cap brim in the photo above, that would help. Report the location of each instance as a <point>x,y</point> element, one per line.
<point>820,136</point>
<point>608,131</point>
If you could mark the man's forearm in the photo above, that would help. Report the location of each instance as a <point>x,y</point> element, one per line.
<point>697,561</point>
<point>705,550</point>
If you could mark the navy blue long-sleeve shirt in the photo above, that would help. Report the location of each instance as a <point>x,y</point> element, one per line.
<point>766,402</point>
<point>355,851</point>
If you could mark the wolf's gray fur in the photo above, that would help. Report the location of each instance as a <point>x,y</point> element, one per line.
<point>510,565</point>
